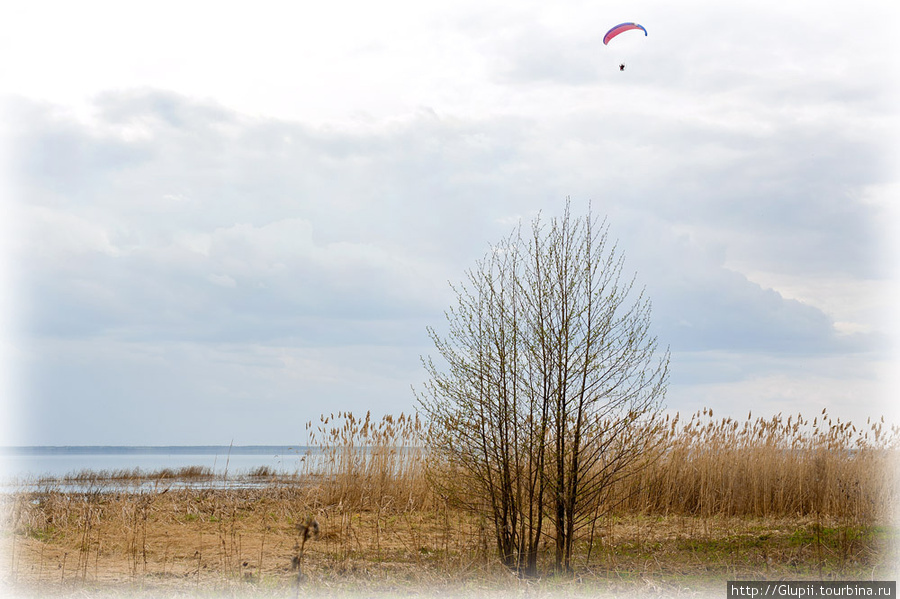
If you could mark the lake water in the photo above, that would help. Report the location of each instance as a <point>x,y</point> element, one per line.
<point>24,463</point>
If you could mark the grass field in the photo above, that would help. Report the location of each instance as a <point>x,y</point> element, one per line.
<point>765,499</point>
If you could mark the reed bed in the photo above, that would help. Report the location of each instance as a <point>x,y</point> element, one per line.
<point>775,467</point>
<point>366,464</point>
<point>764,497</point>
<point>188,473</point>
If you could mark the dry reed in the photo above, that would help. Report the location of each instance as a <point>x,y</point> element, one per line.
<point>366,484</point>
<point>776,467</point>
<point>368,464</point>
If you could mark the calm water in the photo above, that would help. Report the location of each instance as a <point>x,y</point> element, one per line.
<point>56,462</point>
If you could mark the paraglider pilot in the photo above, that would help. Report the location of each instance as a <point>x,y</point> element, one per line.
<point>622,67</point>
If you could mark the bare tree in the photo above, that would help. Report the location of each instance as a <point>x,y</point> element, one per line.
<point>548,386</point>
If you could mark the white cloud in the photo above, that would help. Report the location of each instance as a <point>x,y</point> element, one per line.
<point>851,389</point>
<point>57,235</point>
<point>296,236</point>
<point>855,305</point>
<point>295,203</point>
<point>221,280</point>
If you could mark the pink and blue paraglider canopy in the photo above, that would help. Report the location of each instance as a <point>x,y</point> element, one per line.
<point>621,28</point>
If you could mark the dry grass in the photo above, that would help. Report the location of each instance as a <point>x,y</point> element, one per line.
<point>776,467</point>
<point>761,499</point>
<point>366,464</point>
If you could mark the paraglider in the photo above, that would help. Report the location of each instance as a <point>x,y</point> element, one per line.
<point>618,29</point>
<point>621,28</point>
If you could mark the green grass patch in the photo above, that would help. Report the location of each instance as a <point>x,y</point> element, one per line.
<point>41,534</point>
<point>837,536</point>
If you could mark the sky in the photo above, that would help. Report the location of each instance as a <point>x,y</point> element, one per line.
<point>223,220</point>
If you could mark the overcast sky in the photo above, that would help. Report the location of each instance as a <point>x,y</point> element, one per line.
<point>222,221</point>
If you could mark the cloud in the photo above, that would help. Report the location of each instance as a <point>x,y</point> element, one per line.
<point>533,54</point>
<point>200,393</point>
<point>178,249</point>
<point>285,218</point>
<point>701,303</point>
<point>241,282</point>
<point>733,385</point>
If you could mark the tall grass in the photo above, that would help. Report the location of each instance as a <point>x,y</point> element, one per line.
<point>768,467</point>
<point>369,464</point>
<point>703,466</point>
<point>760,467</point>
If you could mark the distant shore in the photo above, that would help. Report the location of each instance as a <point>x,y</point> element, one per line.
<point>150,449</point>
<point>33,463</point>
